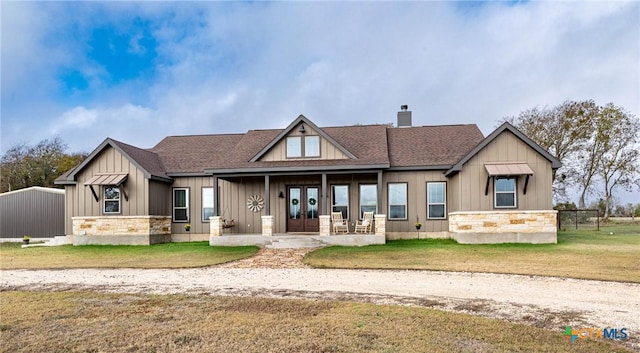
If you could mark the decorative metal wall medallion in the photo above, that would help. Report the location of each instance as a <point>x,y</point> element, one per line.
<point>255,203</point>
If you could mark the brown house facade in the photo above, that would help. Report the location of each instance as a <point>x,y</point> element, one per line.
<point>244,188</point>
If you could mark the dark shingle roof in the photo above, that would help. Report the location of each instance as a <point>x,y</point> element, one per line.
<point>431,145</point>
<point>378,146</point>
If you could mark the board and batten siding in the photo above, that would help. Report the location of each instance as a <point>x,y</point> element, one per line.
<point>195,185</point>
<point>468,186</point>
<point>34,211</point>
<point>416,201</point>
<point>233,204</point>
<point>279,151</point>
<point>80,200</point>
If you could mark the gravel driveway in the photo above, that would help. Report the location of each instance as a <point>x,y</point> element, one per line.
<point>546,302</point>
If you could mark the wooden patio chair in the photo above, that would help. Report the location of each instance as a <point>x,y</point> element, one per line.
<point>364,226</point>
<point>339,225</point>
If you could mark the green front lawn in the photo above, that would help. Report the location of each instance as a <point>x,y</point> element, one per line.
<point>584,254</point>
<point>171,255</point>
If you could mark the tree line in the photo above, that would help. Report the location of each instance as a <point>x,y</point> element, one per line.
<point>598,146</point>
<point>24,166</point>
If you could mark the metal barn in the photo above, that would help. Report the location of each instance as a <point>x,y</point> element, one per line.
<point>36,211</point>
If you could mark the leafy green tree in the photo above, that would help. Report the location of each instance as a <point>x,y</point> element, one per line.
<point>563,130</point>
<point>618,166</point>
<point>597,145</point>
<point>39,165</point>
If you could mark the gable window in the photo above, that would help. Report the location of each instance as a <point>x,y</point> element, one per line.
<point>312,146</point>
<point>181,204</point>
<point>437,200</point>
<point>397,200</point>
<point>111,200</point>
<point>303,146</point>
<point>368,198</point>
<point>340,200</point>
<point>505,192</point>
<point>294,147</point>
<point>207,203</point>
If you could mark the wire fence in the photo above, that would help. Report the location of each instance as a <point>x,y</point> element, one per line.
<point>578,219</point>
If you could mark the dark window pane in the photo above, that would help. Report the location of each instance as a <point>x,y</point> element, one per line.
<point>505,200</point>
<point>396,212</point>
<point>111,207</point>
<point>436,211</point>
<point>180,198</point>
<point>180,214</point>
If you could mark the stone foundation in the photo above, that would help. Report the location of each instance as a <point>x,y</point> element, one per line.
<point>491,227</point>
<point>121,230</point>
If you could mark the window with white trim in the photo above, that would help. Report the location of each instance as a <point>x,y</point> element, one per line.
<point>303,146</point>
<point>505,192</point>
<point>340,200</point>
<point>437,200</point>
<point>181,204</point>
<point>368,199</point>
<point>207,203</point>
<point>111,200</point>
<point>397,200</point>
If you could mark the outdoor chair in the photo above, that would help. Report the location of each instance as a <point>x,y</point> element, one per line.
<point>339,225</point>
<point>364,226</point>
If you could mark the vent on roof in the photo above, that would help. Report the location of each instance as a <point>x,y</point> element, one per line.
<point>404,116</point>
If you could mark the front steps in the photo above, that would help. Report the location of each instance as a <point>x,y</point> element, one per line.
<point>294,242</point>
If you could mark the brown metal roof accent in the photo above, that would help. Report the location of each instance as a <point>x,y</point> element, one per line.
<point>107,179</point>
<point>519,168</point>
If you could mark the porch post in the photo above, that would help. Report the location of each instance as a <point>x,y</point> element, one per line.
<point>324,210</point>
<point>215,196</point>
<point>379,189</point>
<point>267,199</point>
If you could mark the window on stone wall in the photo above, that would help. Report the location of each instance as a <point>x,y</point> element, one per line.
<point>207,204</point>
<point>436,200</point>
<point>397,200</point>
<point>181,204</point>
<point>111,200</point>
<point>505,192</point>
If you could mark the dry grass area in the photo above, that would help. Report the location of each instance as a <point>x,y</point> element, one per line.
<point>172,255</point>
<point>579,254</point>
<point>99,322</point>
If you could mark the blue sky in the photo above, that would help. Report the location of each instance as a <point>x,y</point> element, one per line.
<point>139,71</point>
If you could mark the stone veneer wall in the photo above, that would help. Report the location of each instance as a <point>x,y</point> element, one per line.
<point>125,230</point>
<point>486,227</point>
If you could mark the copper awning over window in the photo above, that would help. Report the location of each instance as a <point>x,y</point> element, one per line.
<point>512,169</point>
<point>508,169</point>
<point>115,179</point>
<point>107,179</point>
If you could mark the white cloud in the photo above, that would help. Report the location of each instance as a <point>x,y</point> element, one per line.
<point>230,67</point>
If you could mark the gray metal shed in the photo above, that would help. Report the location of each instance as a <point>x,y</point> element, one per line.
<point>35,211</point>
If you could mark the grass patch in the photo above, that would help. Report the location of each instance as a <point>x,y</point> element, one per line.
<point>98,322</point>
<point>170,255</point>
<point>579,254</point>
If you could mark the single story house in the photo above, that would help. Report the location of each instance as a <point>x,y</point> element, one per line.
<point>450,178</point>
<point>35,211</point>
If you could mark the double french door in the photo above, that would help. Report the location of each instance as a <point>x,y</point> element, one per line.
<point>303,205</point>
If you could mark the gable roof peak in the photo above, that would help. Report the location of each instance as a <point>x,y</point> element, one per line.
<point>301,119</point>
<point>506,126</point>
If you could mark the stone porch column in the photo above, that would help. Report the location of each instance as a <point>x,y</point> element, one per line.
<point>267,226</point>
<point>325,225</point>
<point>215,226</point>
<point>380,224</point>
